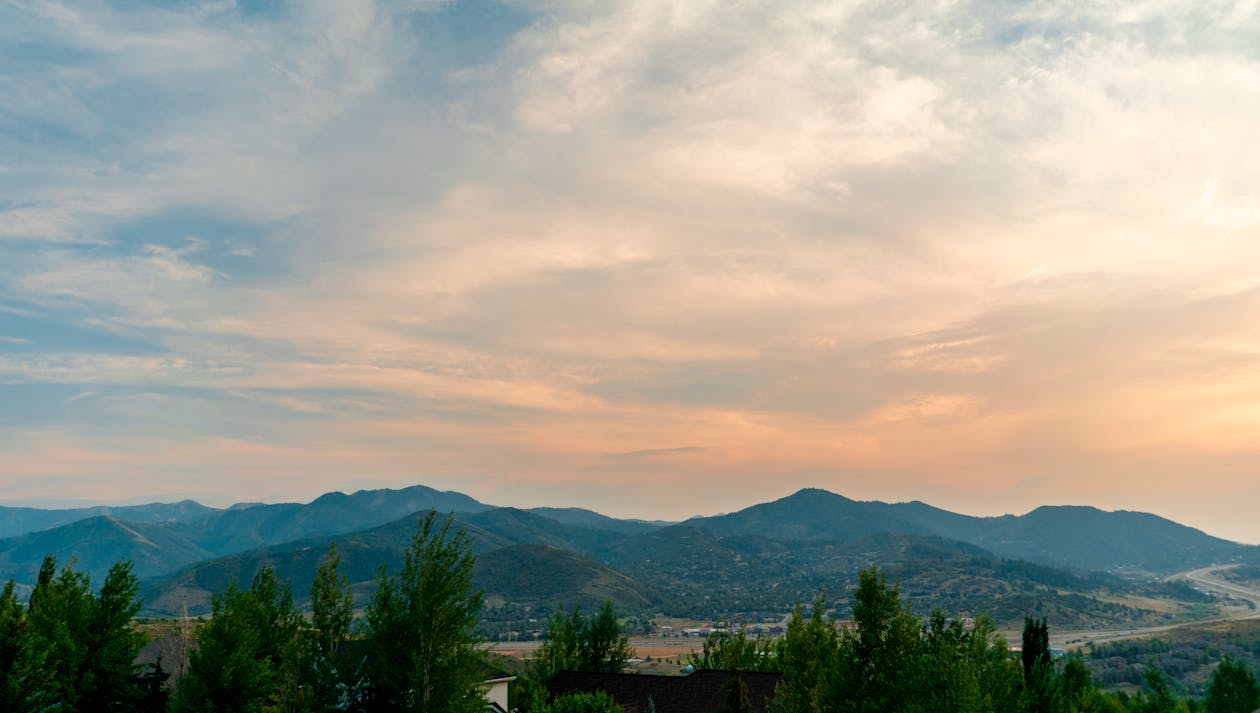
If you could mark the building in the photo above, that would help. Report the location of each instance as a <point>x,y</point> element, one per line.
<point>701,692</point>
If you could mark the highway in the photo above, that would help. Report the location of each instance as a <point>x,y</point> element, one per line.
<point>1206,579</point>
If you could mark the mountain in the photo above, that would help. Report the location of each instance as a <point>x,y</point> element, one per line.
<point>240,529</point>
<point>811,514</point>
<point>1064,536</point>
<point>177,536</point>
<point>96,544</point>
<point>595,521</point>
<point>512,566</point>
<point>16,521</point>
<point>758,561</point>
<point>1089,538</point>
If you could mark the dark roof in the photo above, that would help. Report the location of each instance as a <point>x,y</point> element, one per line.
<point>490,672</point>
<point>701,692</point>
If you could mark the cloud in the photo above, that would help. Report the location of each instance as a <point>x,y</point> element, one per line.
<point>957,248</point>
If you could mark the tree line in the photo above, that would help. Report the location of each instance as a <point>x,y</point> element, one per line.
<point>889,660</point>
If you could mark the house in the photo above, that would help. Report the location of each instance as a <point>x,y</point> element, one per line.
<point>703,691</point>
<point>495,687</point>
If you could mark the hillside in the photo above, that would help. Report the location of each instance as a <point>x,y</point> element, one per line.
<point>510,570</point>
<point>97,543</point>
<point>15,521</point>
<point>175,536</point>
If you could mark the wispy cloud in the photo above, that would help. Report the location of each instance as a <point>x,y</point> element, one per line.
<point>985,254</point>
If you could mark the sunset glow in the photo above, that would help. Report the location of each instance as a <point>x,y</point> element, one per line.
<point>652,258</point>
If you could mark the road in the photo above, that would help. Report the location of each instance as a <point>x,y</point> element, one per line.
<point>1206,579</point>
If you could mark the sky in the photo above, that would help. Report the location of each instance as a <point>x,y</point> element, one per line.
<point>652,258</point>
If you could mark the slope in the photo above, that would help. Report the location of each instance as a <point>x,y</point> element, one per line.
<point>95,544</point>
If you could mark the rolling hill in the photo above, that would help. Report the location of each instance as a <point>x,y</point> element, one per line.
<point>511,566</point>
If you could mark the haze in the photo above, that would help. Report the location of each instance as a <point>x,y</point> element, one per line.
<point>653,258</point>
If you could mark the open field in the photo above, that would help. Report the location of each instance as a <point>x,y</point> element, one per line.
<point>645,646</point>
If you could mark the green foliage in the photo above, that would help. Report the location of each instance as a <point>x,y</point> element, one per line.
<point>880,667</point>
<point>602,645</point>
<point>423,649</point>
<point>598,702</point>
<point>25,684</point>
<point>808,653</point>
<point>87,643</point>
<point>1233,689</point>
<point>244,654</point>
<point>1038,667</point>
<point>577,643</point>
<point>328,675</point>
<point>735,650</point>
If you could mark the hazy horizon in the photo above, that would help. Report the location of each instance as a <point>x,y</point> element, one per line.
<point>634,255</point>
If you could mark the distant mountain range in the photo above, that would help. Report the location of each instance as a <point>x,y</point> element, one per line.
<point>1080,563</point>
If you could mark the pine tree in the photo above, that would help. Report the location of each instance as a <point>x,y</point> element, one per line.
<point>25,683</point>
<point>88,642</point>
<point>1233,689</point>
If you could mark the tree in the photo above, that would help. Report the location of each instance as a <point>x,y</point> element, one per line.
<point>603,646</point>
<point>598,702</point>
<point>735,650</point>
<point>1159,698</point>
<point>421,636</point>
<point>111,676</point>
<point>25,685</point>
<point>948,662</point>
<point>88,642</point>
<point>1038,666</point>
<point>807,653</point>
<point>879,657</point>
<point>574,642</point>
<point>245,652</point>
<point>1233,689</point>
<point>560,649</point>
<point>328,671</point>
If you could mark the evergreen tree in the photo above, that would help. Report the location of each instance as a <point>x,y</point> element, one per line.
<point>88,643</point>
<point>421,639</point>
<point>1038,667</point>
<point>1233,689</point>
<point>25,683</point>
<point>111,676</point>
<point>1158,697</point>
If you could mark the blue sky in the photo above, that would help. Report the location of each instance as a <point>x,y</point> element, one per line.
<point>648,257</point>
